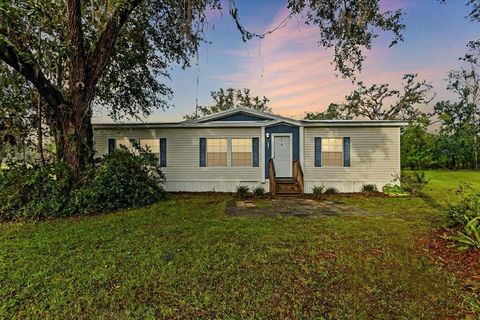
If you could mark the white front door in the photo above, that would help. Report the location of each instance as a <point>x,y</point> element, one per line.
<point>282,156</point>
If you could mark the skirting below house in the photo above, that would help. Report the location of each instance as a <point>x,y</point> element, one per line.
<point>230,186</point>
<point>344,186</point>
<point>213,186</point>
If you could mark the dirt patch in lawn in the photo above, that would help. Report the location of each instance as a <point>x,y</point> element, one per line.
<point>292,206</point>
<point>465,264</point>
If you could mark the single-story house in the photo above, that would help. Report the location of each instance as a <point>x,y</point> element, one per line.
<point>248,147</point>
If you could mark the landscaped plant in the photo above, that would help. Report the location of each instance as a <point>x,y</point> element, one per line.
<point>464,214</point>
<point>331,190</point>
<point>242,191</point>
<point>318,191</point>
<point>259,191</point>
<point>394,190</point>
<point>470,236</point>
<point>465,205</point>
<point>413,181</point>
<point>120,180</point>
<point>369,188</point>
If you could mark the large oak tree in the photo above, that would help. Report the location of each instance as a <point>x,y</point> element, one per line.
<point>115,53</point>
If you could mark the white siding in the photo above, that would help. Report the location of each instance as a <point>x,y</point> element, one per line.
<point>183,171</point>
<point>374,157</point>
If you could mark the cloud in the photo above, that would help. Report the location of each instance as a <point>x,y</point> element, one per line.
<point>297,75</point>
<point>289,68</point>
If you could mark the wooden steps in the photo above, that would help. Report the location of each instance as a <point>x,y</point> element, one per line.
<point>286,187</point>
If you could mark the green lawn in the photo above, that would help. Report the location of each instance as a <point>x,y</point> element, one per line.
<point>184,258</point>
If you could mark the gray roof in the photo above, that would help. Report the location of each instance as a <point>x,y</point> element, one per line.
<point>272,119</point>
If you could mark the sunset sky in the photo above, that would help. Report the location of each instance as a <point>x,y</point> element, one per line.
<point>296,74</point>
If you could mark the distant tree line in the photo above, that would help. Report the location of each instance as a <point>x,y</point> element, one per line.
<point>448,137</point>
<point>225,99</point>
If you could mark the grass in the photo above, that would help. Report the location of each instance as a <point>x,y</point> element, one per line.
<point>441,182</point>
<point>184,258</point>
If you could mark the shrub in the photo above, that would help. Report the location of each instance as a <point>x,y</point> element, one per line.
<point>413,181</point>
<point>369,188</point>
<point>394,190</point>
<point>470,236</point>
<point>331,190</point>
<point>242,191</point>
<point>318,190</point>
<point>259,191</point>
<point>464,207</point>
<point>28,191</point>
<point>121,180</point>
<point>464,214</point>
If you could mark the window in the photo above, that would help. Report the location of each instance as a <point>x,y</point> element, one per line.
<point>126,142</point>
<point>111,145</point>
<point>152,144</point>
<point>332,152</point>
<point>241,152</point>
<point>217,152</point>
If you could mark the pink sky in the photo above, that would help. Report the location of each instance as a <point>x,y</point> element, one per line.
<point>290,69</point>
<point>296,74</point>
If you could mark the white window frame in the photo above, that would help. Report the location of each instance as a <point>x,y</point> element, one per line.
<point>157,139</point>
<point>231,151</point>
<point>330,166</point>
<point>206,152</point>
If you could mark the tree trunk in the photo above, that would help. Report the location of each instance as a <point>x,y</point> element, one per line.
<point>475,146</point>
<point>71,140</point>
<point>76,137</point>
<point>39,130</point>
<point>87,150</point>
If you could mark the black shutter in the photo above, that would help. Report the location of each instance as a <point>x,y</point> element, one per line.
<point>111,145</point>
<point>163,152</point>
<point>318,152</point>
<point>203,152</point>
<point>346,151</point>
<point>255,152</point>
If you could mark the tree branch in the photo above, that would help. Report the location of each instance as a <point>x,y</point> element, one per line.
<point>98,60</point>
<point>25,64</point>
<point>75,37</point>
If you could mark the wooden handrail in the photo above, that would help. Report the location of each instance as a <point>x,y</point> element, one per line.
<point>298,175</point>
<point>271,177</point>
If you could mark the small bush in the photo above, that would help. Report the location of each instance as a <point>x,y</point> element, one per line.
<point>331,190</point>
<point>369,188</point>
<point>28,191</point>
<point>318,191</point>
<point>464,214</point>
<point>464,207</point>
<point>470,236</point>
<point>413,181</point>
<point>242,191</point>
<point>394,190</point>
<point>120,180</point>
<point>258,192</point>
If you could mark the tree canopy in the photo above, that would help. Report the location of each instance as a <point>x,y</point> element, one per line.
<point>379,102</point>
<point>334,111</point>
<point>225,99</point>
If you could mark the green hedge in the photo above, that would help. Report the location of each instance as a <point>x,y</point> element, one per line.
<point>121,180</point>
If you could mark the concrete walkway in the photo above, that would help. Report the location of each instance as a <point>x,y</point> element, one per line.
<point>292,206</point>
